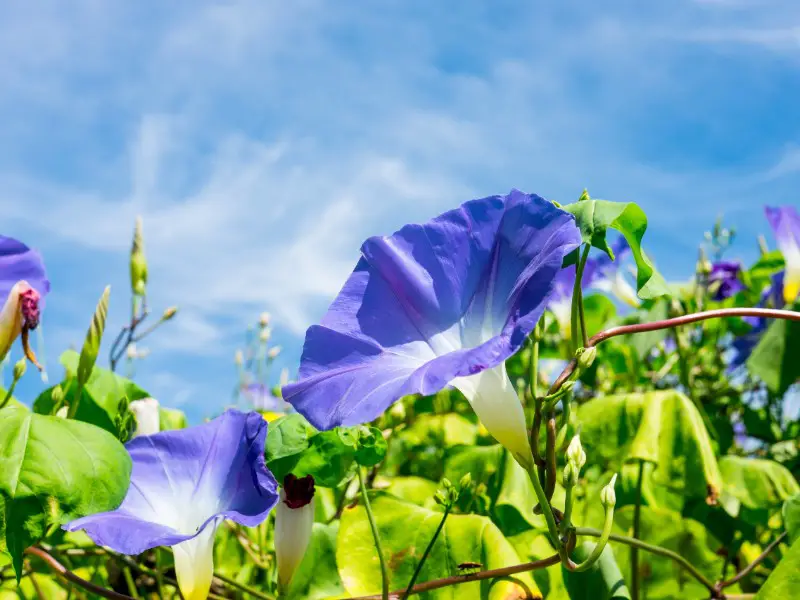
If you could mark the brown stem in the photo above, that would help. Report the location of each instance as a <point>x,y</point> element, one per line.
<point>70,576</point>
<point>534,438</point>
<point>746,571</point>
<point>457,579</point>
<point>767,313</point>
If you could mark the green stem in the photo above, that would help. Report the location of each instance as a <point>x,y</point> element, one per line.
<point>534,368</point>
<point>552,528</point>
<point>601,544</point>
<point>637,524</point>
<point>240,586</point>
<point>9,393</point>
<point>131,584</point>
<point>425,554</point>
<point>577,303</point>
<point>657,550</point>
<point>376,536</point>
<point>569,502</point>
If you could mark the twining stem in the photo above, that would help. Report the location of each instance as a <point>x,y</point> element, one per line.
<point>768,313</point>
<point>577,301</point>
<point>550,456</point>
<point>376,536</point>
<point>10,392</point>
<point>569,501</point>
<point>425,554</point>
<point>637,525</point>
<point>70,576</point>
<point>242,587</point>
<point>658,550</point>
<point>597,551</point>
<point>547,510</point>
<point>458,579</point>
<point>746,571</point>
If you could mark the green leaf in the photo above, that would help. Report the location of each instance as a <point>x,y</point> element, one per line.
<point>791,517</point>
<point>661,427</point>
<point>287,436</point>
<point>775,358</point>
<point>317,576</point>
<point>766,266</point>
<point>599,309</point>
<point>594,217</point>
<point>171,418</point>
<point>89,411</point>
<point>755,483</point>
<point>784,581</point>
<point>53,470</point>
<point>644,342</point>
<point>446,430</point>
<point>91,346</point>
<point>371,446</point>
<point>328,459</point>
<point>416,490</point>
<point>603,581</point>
<point>405,531</point>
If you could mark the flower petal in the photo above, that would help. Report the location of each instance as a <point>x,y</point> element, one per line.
<point>430,303</point>
<point>20,263</point>
<point>292,533</point>
<point>194,563</point>
<point>183,480</point>
<point>785,223</point>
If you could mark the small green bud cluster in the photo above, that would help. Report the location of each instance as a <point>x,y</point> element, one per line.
<point>576,459</point>
<point>448,494</point>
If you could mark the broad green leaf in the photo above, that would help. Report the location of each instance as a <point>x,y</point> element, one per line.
<point>287,436</point>
<point>317,576</point>
<point>11,401</point>
<point>446,430</point>
<point>661,427</point>
<point>603,581</point>
<point>755,483</point>
<point>766,266</point>
<point>328,459</point>
<point>367,443</point>
<point>645,342</point>
<point>405,531</point>
<point>53,470</point>
<point>791,517</point>
<point>784,581</point>
<point>91,345</point>
<point>171,418</point>
<point>416,490</point>
<point>534,545</point>
<point>598,309</point>
<point>594,217</point>
<point>659,576</point>
<point>775,358</point>
<point>89,410</point>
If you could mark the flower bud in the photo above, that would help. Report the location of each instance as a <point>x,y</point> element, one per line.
<point>238,357</point>
<point>138,264</point>
<point>264,336</point>
<point>19,368</point>
<point>169,313</point>
<point>63,412</point>
<point>273,352</point>
<point>264,319</point>
<point>570,475</point>
<point>575,453</point>
<point>57,395</point>
<point>148,417</point>
<point>465,483</point>
<point>294,521</point>
<point>284,378</point>
<point>586,357</point>
<point>607,495</point>
<point>131,351</point>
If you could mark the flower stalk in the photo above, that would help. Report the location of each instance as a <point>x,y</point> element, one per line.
<point>375,535</point>
<point>609,499</point>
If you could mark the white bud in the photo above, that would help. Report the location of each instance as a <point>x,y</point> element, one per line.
<point>264,320</point>
<point>148,419</point>
<point>62,412</point>
<point>293,527</point>
<point>284,378</point>
<point>607,495</point>
<point>264,335</point>
<point>19,368</point>
<point>131,352</point>
<point>273,352</point>
<point>575,453</point>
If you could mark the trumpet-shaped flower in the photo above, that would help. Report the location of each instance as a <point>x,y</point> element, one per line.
<point>785,224</point>
<point>444,303</point>
<point>723,281</point>
<point>23,286</point>
<point>184,483</point>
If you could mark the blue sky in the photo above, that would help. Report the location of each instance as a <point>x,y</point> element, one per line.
<point>262,141</point>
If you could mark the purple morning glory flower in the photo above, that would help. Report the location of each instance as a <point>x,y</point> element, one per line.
<point>23,286</point>
<point>785,224</point>
<point>560,303</point>
<point>443,303</point>
<point>184,483</point>
<point>724,279</point>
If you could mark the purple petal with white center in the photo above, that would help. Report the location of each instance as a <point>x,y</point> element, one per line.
<point>785,224</point>
<point>183,484</point>
<point>442,303</point>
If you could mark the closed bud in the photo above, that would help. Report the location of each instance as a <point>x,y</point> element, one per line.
<point>264,319</point>
<point>465,483</point>
<point>570,475</point>
<point>273,352</point>
<point>264,336</point>
<point>62,412</point>
<point>169,313</point>
<point>607,495</point>
<point>131,352</point>
<point>294,521</point>
<point>586,357</point>
<point>57,395</point>
<point>138,261</point>
<point>238,358</point>
<point>148,416</point>
<point>575,453</point>
<point>19,368</point>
